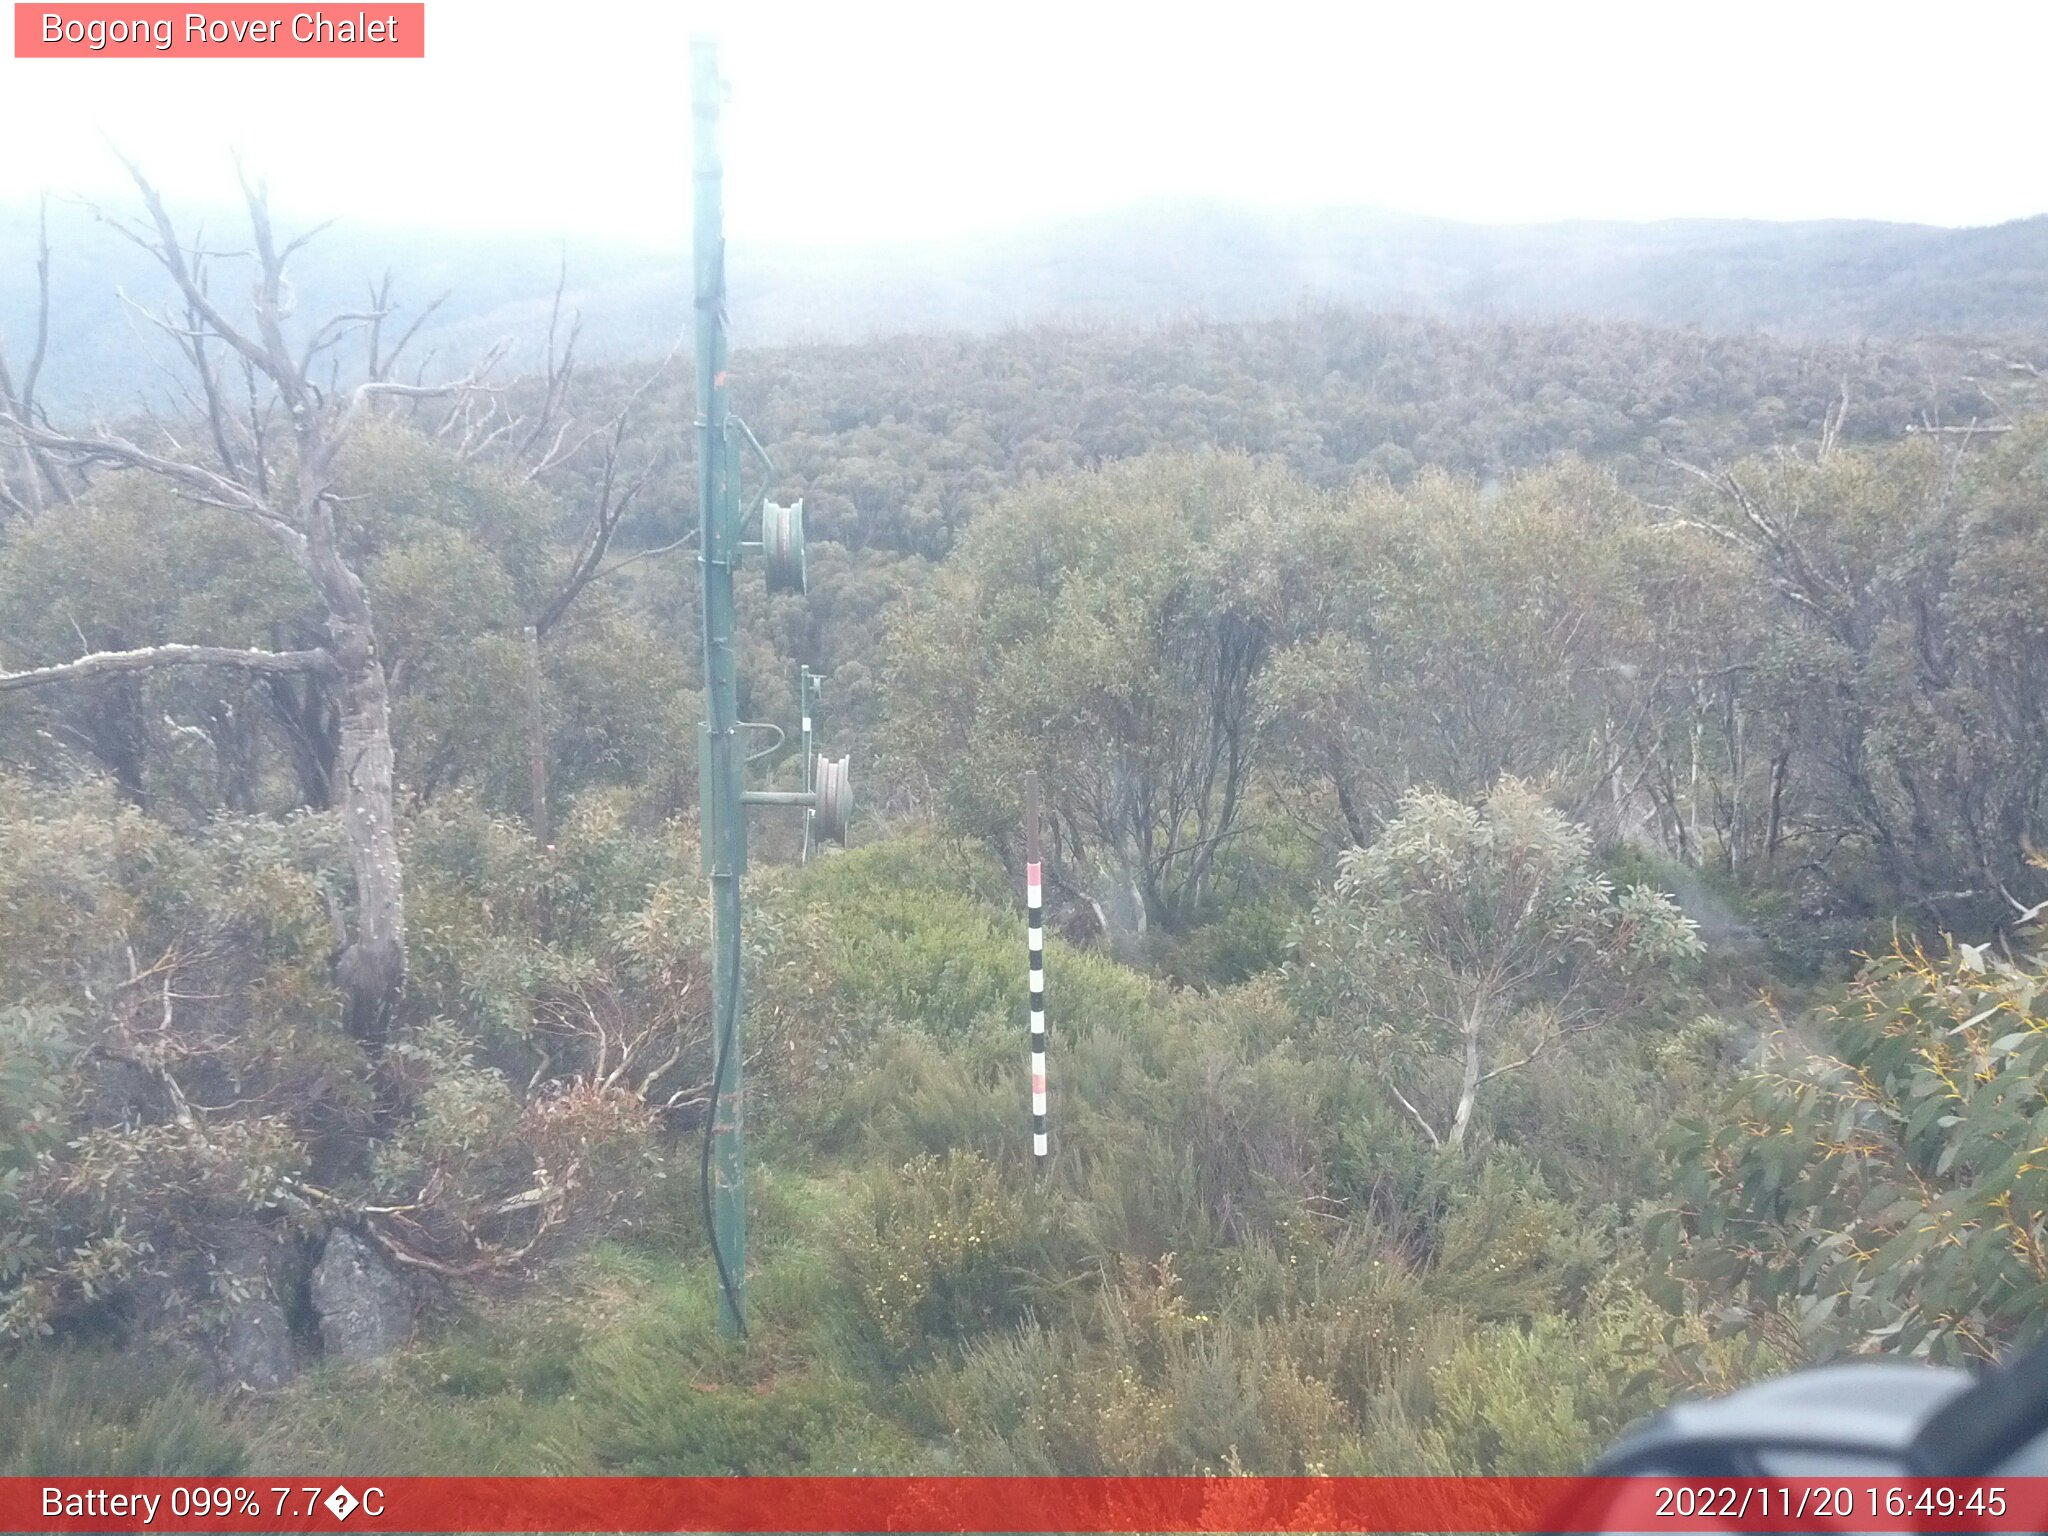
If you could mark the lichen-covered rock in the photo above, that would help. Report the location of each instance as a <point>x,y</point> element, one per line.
<point>249,1281</point>
<point>365,1310</point>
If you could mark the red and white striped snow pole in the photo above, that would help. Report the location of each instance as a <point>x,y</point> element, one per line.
<point>1034,938</point>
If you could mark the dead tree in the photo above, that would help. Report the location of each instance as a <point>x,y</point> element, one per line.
<point>550,439</point>
<point>38,479</point>
<point>273,417</point>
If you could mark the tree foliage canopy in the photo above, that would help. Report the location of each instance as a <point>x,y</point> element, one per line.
<point>1475,936</point>
<point>1882,1172</point>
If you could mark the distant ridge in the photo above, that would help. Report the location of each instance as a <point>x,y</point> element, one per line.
<point>1835,280</point>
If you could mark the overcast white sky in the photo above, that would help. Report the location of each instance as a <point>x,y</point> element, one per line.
<point>855,121</point>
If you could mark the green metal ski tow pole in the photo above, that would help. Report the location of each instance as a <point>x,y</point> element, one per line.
<point>826,798</point>
<point>720,755</point>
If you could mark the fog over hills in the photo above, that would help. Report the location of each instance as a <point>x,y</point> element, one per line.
<point>1162,261</point>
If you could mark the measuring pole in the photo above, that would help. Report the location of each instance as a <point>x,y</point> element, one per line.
<point>719,758</point>
<point>1034,940</point>
<point>806,689</point>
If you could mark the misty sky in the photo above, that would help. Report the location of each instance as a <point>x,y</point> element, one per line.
<point>851,122</point>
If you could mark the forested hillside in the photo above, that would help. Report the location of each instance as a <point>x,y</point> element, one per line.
<point>1544,832</point>
<point>1154,264</point>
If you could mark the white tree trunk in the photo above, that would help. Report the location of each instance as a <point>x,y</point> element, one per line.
<point>1468,1088</point>
<point>371,968</point>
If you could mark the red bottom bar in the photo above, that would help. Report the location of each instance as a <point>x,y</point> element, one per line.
<point>1020,1504</point>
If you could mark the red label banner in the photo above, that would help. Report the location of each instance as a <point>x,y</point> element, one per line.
<point>1021,1504</point>
<point>234,31</point>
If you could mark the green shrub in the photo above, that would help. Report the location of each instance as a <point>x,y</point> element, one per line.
<point>905,1096</point>
<point>1219,1398</point>
<point>656,1392</point>
<point>1239,1402</point>
<point>936,1250</point>
<point>659,1424</point>
<point>1360,1320</point>
<point>80,1413</point>
<point>1032,1402</point>
<point>35,1055</point>
<point>1880,1170</point>
<point>1239,943</point>
<point>920,932</point>
<point>1507,1249</point>
<point>1544,1398</point>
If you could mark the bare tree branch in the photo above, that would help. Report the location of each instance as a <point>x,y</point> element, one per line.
<point>150,658</point>
<point>42,344</point>
<point>196,481</point>
<point>1427,1129</point>
<point>560,366</point>
<point>172,256</point>
<point>370,389</point>
<point>613,500</point>
<point>39,474</point>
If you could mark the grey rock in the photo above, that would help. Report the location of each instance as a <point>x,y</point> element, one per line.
<point>365,1310</point>
<point>255,1342</point>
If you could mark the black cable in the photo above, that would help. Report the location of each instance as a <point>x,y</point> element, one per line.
<point>720,1054</point>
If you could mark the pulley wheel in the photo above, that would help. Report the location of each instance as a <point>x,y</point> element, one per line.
<point>835,800</point>
<point>782,545</point>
